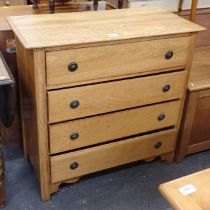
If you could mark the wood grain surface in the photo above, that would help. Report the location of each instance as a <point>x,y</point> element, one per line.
<point>34,113</point>
<point>110,155</point>
<point>112,96</point>
<point>200,72</point>
<point>112,126</point>
<point>198,200</point>
<point>100,26</point>
<point>102,62</point>
<point>21,10</point>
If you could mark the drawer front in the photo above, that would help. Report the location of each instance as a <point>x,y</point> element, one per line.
<point>75,164</point>
<point>90,100</point>
<point>89,131</point>
<point>78,65</point>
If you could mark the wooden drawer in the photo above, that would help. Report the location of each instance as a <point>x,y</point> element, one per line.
<point>89,160</point>
<point>112,96</point>
<point>89,131</point>
<point>115,60</point>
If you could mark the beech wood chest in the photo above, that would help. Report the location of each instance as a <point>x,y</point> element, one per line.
<point>100,89</point>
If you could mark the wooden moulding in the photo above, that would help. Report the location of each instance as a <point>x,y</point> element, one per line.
<point>34,113</point>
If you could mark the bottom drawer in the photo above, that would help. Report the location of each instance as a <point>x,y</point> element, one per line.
<point>78,163</point>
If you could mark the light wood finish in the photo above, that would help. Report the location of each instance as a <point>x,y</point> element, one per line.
<point>12,11</point>
<point>104,99</point>
<point>34,113</point>
<point>200,74</point>
<point>114,78</point>
<point>194,135</point>
<point>116,96</point>
<point>43,9</point>
<point>100,62</point>
<point>193,10</point>
<point>110,155</point>
<point>13,135</point>
<point>198,200</point>
<point>73,29</point>
<point>112,126</point>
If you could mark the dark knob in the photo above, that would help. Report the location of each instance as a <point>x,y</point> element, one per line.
<point>72,66</point>
<point>158,145</point>
<point>169,54</point>
<point>166,88</point>
<point>74,104</point>
<point>74,165</point>
<point>74,136</point>
<point>161,117</point>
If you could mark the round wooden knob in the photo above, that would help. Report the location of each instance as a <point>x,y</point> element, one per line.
<point>161,117</point>
<point>166,88</point>
<point>72,66</point>
<point>74,165</point>
<point>74,136</point>
<point>158,145</point>
<point>169,54</point>
<point>74,104</point>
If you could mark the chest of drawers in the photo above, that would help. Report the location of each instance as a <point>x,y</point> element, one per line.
<point>100,89</point>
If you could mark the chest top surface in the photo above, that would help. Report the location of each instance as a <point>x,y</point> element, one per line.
<point>40,31</point>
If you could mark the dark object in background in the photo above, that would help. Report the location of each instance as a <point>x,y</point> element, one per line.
<point>7,112</point>
<point>7,94</point>
<point>12,136</point>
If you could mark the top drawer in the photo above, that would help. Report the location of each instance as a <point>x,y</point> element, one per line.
<point>79,65</point>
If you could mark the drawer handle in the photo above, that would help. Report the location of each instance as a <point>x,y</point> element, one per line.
<point>166,88</point>
<point>74,165</point>
<point>158,145</point>
<point>74,136</point>
<point>72,66</point>
<point>74,104</point>
<point>169,54</point>
<point>161,117</point>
